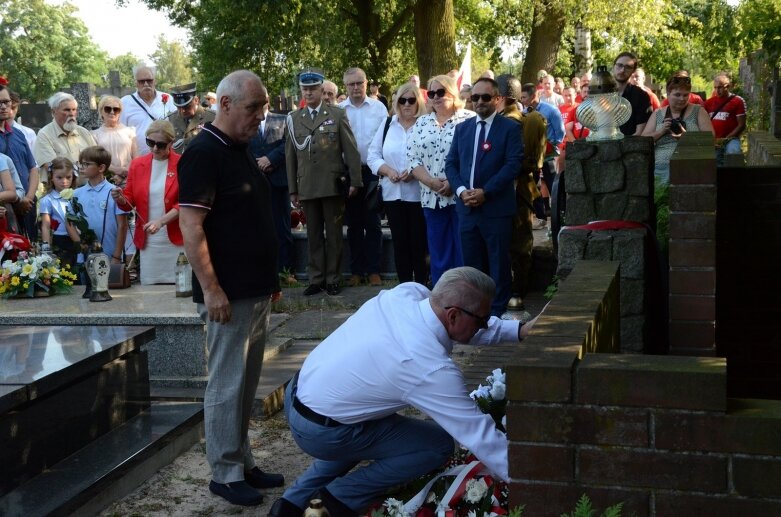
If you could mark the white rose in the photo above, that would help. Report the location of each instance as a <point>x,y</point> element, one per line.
<point>480,393</point>
<point>66,194</point>
<point>498,391</point>
<point>475,490</point>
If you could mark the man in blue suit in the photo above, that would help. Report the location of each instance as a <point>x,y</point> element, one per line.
<point>481,167</point>
<point>268,149</point>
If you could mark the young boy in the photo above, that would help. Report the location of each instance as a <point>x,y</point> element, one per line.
<point>105,218</point>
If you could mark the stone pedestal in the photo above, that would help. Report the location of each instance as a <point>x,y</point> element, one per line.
<point>613,181</point>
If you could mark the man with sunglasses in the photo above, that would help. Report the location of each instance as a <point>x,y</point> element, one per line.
<point>145,105</point>
<point>624,66</point>
<point>728,113</point>
<point>189,118</point>
<point>483,163</point>
<point>369,376</point>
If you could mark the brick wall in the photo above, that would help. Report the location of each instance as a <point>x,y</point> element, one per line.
<point>763,149</point>
<point>692,255</point>
<point>657,433</point>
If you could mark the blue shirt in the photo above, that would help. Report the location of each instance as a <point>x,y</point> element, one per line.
<point>14,144</point>
<point>555,123</point>
<point>57,208</point>
<point>7,164</point>
<point>98,205</point>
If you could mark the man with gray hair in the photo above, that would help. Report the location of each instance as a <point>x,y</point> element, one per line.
<point>330,92</point>
<point>62,136</point>
<point>342,406</point>
<point>145,105</point>
<point>224,199</point>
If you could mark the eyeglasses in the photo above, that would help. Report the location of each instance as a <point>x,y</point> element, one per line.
<point>145,81</point>
<point>6,102</point>
<point>436,93</point>
<point>84,165</point>
<point>108,110</point>
<point>485,97</point>
<point>357,84</point>
<point>152,144</point>
<point>622,66</point>
<point>482,320</point>
<point>681,80</point>
<point>715,87</point>
<point>405,100</point>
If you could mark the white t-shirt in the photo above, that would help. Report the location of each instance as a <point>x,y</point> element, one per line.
<point>140,116</point>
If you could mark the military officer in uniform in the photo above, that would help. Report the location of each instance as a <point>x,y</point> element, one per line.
<point>189,118</point>
<point>319,149</point>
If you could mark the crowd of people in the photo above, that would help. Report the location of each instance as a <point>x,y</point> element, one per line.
<point>462,172</point>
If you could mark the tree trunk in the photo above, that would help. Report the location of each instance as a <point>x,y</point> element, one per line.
<point>544,41</point>
<point>435,38</point>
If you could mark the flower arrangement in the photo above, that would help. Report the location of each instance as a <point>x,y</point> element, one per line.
<point>79,219</point>
<point>30,273</point>
<point>491,398</point>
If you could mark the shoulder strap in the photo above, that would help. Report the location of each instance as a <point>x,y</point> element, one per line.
<point>729,98</point>
<point>103,231</point>
<point>385,131</point>
<point>132,96</point>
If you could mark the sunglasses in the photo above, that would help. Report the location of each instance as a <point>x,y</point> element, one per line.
<point>160,145</point>
<point>436,93</point>
<point>482,320</point>
<point>485,97</point>
<point>108,110</point>
<point>681,80</point>
<point>145,81</point>
<point>405,100</point>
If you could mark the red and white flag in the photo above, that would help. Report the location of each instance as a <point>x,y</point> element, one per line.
<point>465,72</point>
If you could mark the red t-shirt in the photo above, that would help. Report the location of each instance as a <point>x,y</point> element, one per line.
<point>726,120</point>
<point>579,130</point>
<point>567,115</point>
<point>693,99</point>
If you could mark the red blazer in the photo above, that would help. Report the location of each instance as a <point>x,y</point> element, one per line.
<point>136,191</point>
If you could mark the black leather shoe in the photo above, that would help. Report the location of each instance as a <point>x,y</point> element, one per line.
<point>333,289</point>
<point>334,505</point>
<point>259,479</point>
<point>284,508</point>
<point>238,492</point>
<point>312,289</point>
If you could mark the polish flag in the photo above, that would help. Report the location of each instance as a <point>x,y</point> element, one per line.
<point>465,72</point>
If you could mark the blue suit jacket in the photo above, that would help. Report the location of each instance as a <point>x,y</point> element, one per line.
<point>272,145</point>
<point>499,167</point>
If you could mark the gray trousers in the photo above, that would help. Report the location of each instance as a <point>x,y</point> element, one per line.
<point>235,357</point>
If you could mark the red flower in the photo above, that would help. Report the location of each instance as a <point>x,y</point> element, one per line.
<point>3,81</point>
<point>54,224</point>
<point>425,511</point>
<point>165,98</point>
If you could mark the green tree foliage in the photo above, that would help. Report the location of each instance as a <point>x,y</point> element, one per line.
<point>44,48</point>
<point>124,65</point>
<point>173,63</point>
<point>759,26</point>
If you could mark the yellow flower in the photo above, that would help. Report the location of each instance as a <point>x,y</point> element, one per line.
<point>25,285</point>
<point>27,269</point>
<point>66,194</point>
<point>15,281</point>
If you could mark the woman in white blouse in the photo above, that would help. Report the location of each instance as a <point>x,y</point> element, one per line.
<point>427,149</point>
<point>400,190</point>
<point>116,138</point>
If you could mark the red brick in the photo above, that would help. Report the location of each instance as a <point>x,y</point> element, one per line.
<point>715,506</point>
<point>541,375</point>
<point>652,469</point>
<point>693,335</point>
<point>541,462</point>
<point>692,308</point>
<point>752,428</point>
<point>577,424</point>
<point>757,477</point>
<point>692,253</point>
<point>692,198</point>
<point>652,381</point>
<point>692,225</point>
<point>693,281</point>
<point>546,499</point>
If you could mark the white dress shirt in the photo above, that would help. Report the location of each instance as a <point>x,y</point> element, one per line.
<point>394,353</point>
<point>364,121</point>
<point>139,118</point>
<point>28,133</point>
<point>393,153</point>
<point>488,122</point>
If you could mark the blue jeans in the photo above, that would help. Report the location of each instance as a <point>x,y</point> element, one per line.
<point>444,242</point>
<point>400,448</point>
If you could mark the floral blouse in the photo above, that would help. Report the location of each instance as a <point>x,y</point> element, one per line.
<point>428,146</point>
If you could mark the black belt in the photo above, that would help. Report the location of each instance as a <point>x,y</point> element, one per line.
<point>307,413</point>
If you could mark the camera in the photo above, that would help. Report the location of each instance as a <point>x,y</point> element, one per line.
<point>677,126</point>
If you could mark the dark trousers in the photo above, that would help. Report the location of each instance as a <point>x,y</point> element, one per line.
<point>364,231</point>
<point>485,242</point>
<point>28,223</point>
<point>408,228</point>
<point>280,208</point>
<point>521,245</point>
<point>548,174</point>
<point>324,236</point>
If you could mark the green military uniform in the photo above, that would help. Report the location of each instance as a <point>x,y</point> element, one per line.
<point>533,128</point>
<point>186,130</point>
<point>317,152</point>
